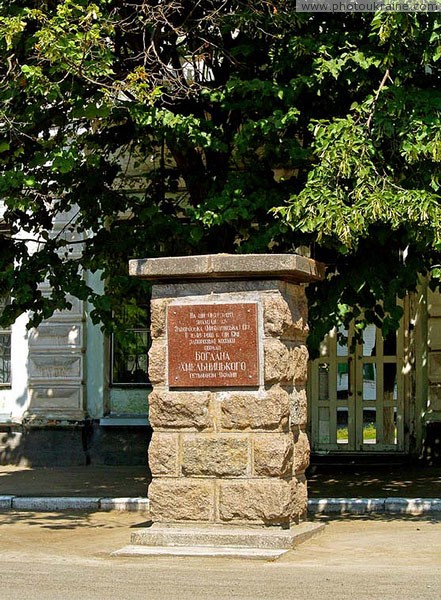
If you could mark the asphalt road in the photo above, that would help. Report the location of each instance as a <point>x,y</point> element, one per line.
<point>58,556</point>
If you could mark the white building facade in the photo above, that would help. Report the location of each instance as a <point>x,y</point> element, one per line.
<point>62,400</point>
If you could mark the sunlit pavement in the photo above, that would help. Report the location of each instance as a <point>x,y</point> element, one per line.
<point>59,555</point>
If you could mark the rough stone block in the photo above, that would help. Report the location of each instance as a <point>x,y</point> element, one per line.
<point>157,361</point>
<point>181,500</point>
<point>301,451</point>
<point>163,454</point>
<point>273,454</point>
<point>214,456</point>
<point>299,357</point>
<point>158,318</point>
<point>269,410</point>
<point>266,502</point>
<point>299,505</point>
<point>276,361</point>
<point>179,410</point>
<point>285,317</point>
<point>296,294</point>
<point>298,406</point>
<point>284,363</point>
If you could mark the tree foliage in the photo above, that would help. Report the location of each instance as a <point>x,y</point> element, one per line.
<point>371,198</point>
<point>217,126</point>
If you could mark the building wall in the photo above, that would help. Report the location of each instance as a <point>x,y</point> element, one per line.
<point>14,400</point>
<point>59,409</point>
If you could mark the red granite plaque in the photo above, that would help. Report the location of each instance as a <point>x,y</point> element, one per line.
<point>212,345</point>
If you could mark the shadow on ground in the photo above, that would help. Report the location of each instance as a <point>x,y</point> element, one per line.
<point>93,481</point>
<point>324,481</point>
<point>375,517</point>
<point>355,481</point>
<point>30,522</point>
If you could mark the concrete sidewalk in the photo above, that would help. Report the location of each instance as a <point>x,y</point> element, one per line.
<point>73,488</point>
<point>52,555</point>
<point>374,481</point>
<point>87,481</point>
<point>324,481</point>
<point>333,490</point>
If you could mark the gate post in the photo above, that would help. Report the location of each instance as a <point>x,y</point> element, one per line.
<point>228,365</point>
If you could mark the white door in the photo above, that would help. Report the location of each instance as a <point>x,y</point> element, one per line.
<point>357,394</point>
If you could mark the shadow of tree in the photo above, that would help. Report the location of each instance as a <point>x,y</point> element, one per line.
<point>381,518</point>
<point>68,520</point>
<point>411,481</point>
<point>94,481</point>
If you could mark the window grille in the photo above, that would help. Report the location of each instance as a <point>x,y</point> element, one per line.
<point>129,353</point>
<point>5,350</point>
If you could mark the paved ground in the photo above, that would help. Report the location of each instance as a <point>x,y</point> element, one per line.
<point>100,481</point>
<point>377,481</point>
<point>323,481</point>
<point>55,556</point>
<point>58,556</point>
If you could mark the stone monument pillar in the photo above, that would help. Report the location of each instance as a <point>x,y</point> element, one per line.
<point>228,365</point>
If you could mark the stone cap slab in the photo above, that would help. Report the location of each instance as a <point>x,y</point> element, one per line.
<point>287,267</point>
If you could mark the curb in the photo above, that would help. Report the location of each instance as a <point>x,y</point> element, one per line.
<point>44,503</point>
<point>316,506</point>
<point>362,506</point>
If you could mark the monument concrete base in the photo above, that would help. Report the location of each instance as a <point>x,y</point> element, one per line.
<point>218,541</point>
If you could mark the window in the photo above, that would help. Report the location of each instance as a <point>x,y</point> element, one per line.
<point>129,365</point>
<point>5,351</point>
